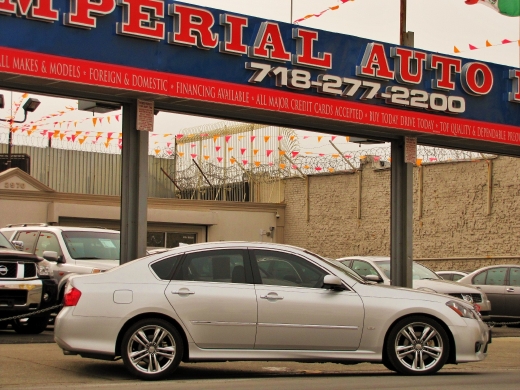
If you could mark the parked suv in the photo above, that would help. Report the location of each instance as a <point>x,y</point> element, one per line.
<point>70,250</point>
<point>25,288</point>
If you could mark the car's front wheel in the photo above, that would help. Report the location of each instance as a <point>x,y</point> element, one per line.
<point>417,345</point>
<point>152,349</point>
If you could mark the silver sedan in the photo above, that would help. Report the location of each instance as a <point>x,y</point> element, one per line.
<point>228,301</point>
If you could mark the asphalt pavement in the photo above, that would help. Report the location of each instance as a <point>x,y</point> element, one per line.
<point>35,361</point>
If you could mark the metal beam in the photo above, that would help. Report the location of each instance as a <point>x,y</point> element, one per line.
<point>401,217</point>
<point>134,186</point>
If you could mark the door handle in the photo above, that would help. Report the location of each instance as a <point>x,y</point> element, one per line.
<point>183,292</point>
<point>510,289</point>
<point>271,296</point>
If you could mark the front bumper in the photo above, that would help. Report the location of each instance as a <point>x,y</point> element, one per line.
<point>27,295</point>
<point>471,341</point>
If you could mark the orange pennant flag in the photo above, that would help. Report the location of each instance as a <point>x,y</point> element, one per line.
<point>488,43</point>
<point>82,140</point>
<point>230,149</point>
<point>257,163</point>
<point>282,166</point>
<point>255,151</point>
<point>215,137</point>
<point>455,50</point>
<point>206,157</point>
<point>266,138</point>
<point>319,138</point>
<point>281,152</point>
<point>94,121</point>
<point>157,151</point>
<point>180,154</point>
<point>232,160</point>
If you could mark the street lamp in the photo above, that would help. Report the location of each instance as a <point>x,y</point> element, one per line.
<point>29,106</point>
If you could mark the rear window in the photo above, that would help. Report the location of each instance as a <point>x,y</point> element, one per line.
<point>84,245</point>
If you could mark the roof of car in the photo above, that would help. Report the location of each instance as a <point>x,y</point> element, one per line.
<point>371,258</point>
<point>60,228</point>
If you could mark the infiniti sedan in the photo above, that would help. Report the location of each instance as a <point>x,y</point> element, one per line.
<point>232,301</point>
<point>377,269</point>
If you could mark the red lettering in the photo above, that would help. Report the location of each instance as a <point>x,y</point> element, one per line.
<point>192,27</point>
<point>140,19</point>
<point>269,44</point>
<point>42,11</point>
<point>477,78</point>
<point>304,50</point>
<point>84,13</point>
<point>234,27</point>
<point>374,63</point>
<point>445,68</point>
<point>408,65</point>
<point>514,96</point>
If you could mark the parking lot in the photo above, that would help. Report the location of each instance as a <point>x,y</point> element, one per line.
<point>35,361</point>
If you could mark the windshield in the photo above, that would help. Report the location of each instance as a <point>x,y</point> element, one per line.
<point>418,271</point>
<point>339,267</point>
<point>4,242</point>
<point>92,245</point>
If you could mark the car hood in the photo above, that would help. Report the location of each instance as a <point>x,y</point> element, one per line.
<point>444,286</point>
<point>14,255</point>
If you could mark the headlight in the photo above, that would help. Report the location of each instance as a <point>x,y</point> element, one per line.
<point>462,310</point>
<point>43,270</point>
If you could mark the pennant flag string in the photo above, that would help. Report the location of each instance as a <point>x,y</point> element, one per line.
<point>317,15</point>
<point>472,47</point>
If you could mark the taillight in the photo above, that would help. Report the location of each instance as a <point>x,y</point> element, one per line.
<point>71,297</point>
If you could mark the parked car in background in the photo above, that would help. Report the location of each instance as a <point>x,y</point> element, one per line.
<point>501,283</point>
<point>70,250</point>
<point>25,289</point>
<point>377,269</point>
<point>451,275</point>
<point>226,301</point>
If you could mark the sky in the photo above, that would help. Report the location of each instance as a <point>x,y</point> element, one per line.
<point>438,26</point>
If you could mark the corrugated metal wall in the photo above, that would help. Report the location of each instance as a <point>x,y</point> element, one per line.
<point>88,172</point>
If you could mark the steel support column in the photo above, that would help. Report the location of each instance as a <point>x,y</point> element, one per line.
<point>401,217</point>
<point>134,187</point>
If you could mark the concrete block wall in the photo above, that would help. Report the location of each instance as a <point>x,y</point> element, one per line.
<point>454,222</point>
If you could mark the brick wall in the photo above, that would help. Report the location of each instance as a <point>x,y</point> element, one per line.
<point>454,222</point>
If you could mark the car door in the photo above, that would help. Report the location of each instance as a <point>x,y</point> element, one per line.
<point>512,293</point>
<point>296,312</point>
<point>492,281</point>
<point>213,294</point>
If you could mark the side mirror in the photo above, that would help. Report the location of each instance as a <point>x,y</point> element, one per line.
<point>332,282</point>
<point>52,256</point>
<point>373,278</point>
<point>18,245</point>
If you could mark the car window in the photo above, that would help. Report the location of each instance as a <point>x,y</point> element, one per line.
<point>4,242</point>
<point>223,266</point>
<point>514,276</point>
<point>47,242</point>
<point>92,245</point>
<point>165,267</point>
<point>283,269</point>
<point>363,268</point>
<point>457,277</point>
<point>492,277</point>
<point>480,278</point>
<point>29,239</point>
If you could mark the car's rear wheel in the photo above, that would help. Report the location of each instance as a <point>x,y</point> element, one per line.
<point>417,345</point>
<point>152,349</point>
<point>30,325</point>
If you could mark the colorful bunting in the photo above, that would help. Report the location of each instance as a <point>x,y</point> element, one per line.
<point>317,15</point>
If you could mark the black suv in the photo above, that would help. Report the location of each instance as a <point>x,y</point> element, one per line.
<point>25,288</point>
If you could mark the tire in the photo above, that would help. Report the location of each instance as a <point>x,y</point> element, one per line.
<point>417,345</point>
<point>33,325</point>
<point>152,349</point>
